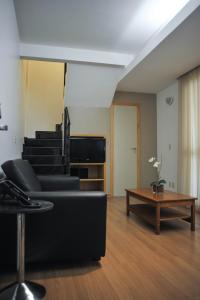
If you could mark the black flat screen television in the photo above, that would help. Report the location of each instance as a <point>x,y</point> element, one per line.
<point>87,149</point>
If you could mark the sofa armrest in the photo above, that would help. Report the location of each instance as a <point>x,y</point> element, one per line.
<point>59,183</point>
<point>80,214</point>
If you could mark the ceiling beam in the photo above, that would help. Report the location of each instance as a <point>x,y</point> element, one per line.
<point>44,52</point>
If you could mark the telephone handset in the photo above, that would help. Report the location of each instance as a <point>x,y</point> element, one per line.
<point>11,189</point>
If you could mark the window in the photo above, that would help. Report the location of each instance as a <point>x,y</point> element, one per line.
<point>190,134</point>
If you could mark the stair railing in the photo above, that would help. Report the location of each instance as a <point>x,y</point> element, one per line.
<point>66,141</point>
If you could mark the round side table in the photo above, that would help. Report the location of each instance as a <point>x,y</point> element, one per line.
<point>22,289</point>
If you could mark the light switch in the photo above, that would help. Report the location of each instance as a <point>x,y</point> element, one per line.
<point>3,127</point>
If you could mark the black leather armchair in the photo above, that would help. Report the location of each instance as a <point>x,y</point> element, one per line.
<point>74,229</point>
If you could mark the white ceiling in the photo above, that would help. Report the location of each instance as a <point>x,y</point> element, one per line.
<point>177,54</point>
<point>139,36</point>
<point>107,25</point>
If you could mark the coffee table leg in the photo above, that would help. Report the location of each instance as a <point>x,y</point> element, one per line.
<point>127,203</point>
<point>157,219</point>
<point>193,216</point>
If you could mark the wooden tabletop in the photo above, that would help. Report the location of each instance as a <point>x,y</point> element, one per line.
<point>12,207</point>
<point>161,197</point>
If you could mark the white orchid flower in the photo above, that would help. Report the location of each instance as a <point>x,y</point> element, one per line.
<point>151,159</point>
<point>156,164</point>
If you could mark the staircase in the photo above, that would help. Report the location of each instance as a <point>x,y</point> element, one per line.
<point>48,152</point>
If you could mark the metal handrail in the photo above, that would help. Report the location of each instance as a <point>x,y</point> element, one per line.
<point>66,141</point>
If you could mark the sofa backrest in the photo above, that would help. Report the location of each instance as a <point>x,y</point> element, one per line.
<point>2,176</point>
<point>21,173</point>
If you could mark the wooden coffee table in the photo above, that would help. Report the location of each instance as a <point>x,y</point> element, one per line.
<point>158,207</point>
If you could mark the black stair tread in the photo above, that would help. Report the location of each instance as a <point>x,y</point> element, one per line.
<point>57,147</point>
<point>48,148</point>
<point>42,155</point>
<point>39,148</point>
<point>48,165</point>
<point>34,150</point>
<point>48,135</point>
<point>44,158</point>
<point>48,131</point>
<point>43,139</point>
<point>33,142</point>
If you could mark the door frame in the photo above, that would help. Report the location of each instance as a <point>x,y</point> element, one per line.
<point>112,131</point>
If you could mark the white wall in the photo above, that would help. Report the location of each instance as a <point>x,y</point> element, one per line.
<point>43,87</point>
<point>167,134</point>
<point>92,121</point>
<point>11,140</point>
<point>90,85</point>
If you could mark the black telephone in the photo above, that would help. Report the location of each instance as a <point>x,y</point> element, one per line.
<point>12,190</point>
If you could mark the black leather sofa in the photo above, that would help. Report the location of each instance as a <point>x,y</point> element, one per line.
<point>74,229</point>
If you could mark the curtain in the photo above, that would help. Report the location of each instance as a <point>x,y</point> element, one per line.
<point>190,134</point>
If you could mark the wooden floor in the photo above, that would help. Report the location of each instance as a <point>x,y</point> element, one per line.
<point>139,265</point>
